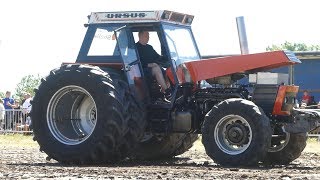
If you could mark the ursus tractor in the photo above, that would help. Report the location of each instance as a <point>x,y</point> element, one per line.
<point>104,108</point>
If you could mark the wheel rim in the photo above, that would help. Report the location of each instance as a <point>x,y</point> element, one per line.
<point>233,134</point>
<point>71,115</point>
<point>280,143</point>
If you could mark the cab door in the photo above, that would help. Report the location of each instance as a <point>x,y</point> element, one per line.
<point>131,63</point>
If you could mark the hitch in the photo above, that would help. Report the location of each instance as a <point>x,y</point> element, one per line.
<point>304,120</point>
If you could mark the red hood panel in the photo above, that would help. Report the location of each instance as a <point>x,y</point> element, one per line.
<point>216,67</point>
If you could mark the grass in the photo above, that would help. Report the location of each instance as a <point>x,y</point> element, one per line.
<point>313,146</point>
<point>19,140</point>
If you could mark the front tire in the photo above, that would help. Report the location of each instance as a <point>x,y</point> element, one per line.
<point>287,150</point>
<point>236,132</point>
<point>84,115</point>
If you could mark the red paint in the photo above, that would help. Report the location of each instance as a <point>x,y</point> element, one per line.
<point>282,91</point>
<point>216,67</point>
<point>180,75</point>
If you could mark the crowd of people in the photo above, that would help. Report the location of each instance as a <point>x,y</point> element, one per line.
<point>14,113</point>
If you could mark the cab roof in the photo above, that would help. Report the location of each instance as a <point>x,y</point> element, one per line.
<point>140,17</point>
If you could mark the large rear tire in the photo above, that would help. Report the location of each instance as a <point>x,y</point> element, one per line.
<point>84,115</point>
<point>157,148</point>
<point>236,132</point>
<point>284,151</point>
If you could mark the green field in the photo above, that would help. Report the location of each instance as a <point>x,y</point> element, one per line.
<point>19,140</point>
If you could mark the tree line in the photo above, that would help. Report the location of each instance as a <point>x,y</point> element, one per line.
<point>293,47</point>
<point>26,85</point>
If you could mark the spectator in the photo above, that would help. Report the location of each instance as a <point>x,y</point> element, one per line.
<point>306,99</point>
<point>17,111</point>
<point>2,112</point>
<point>24,97</point>
<point>8,105</point>
<point>26,108</point>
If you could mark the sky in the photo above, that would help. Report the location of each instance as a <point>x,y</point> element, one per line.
<point>37,36</point>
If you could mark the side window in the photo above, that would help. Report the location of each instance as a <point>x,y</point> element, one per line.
<point>104,43</point>
<point>153,40</point>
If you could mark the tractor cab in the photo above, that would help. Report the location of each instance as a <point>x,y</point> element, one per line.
<point>110,42</point>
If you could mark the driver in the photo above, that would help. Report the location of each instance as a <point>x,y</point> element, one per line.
<point>148,58</point>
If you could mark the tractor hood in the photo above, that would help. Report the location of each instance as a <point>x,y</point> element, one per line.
<point>216,67</point>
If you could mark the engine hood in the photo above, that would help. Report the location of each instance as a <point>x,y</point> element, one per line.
<point>222,66</point>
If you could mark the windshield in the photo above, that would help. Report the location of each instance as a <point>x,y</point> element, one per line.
<point>181,44</point>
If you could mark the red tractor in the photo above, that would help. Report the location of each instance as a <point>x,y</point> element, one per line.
<point>103,108</point>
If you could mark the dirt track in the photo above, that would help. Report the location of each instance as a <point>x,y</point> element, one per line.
<point>29,163</point>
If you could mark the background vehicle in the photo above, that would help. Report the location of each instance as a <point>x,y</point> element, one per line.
<point>103,109</point>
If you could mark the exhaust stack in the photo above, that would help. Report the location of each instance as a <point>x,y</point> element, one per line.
<point>242,35</point>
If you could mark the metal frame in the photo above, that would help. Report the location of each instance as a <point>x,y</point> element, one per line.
<point>17,119</point>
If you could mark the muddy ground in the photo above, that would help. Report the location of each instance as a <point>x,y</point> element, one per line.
<point>29,163</point>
